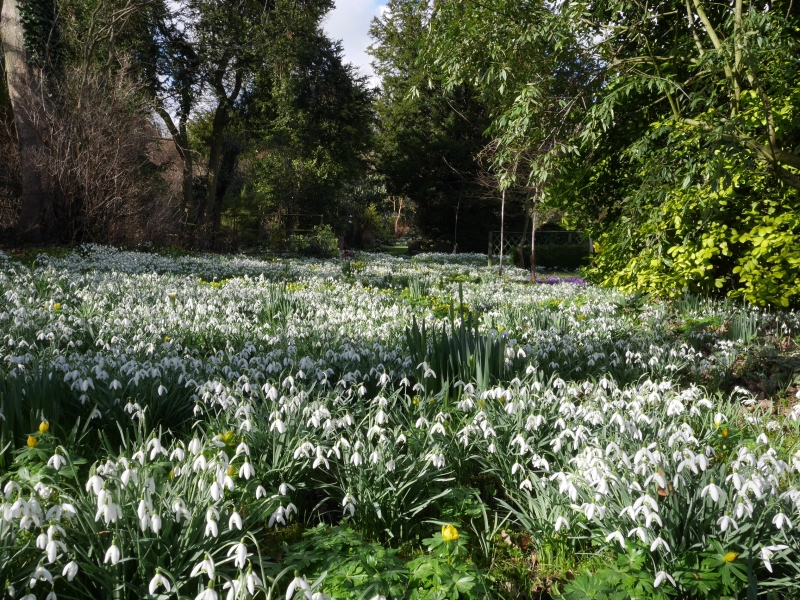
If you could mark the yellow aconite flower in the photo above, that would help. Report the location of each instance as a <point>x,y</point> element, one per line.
<point>731,556</point>
<point>725,432</point>
<point>57,306</point>
<point>229,438</point>
<point>32,441</point>
<point>44,427</point>
<point>231,471</point>
<point>166,339</point>
<point>449,533</point>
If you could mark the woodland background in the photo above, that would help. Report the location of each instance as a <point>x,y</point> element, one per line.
<point>668,131</point>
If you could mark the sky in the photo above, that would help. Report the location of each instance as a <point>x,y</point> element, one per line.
<point>349,22</point>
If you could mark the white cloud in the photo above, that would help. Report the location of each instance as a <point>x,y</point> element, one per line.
<point>349,22</point>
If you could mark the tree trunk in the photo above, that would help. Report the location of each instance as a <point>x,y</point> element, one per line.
<point>24,84</point>
<point>520,255</point>
<point>502,227</point>
<point>221,119</point>
<point>181,140</point>
<point>534,219</point>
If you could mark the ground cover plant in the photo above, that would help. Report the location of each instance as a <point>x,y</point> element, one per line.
<point>207,427</point>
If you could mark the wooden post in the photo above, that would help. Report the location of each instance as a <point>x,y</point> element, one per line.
<point>489,251</point>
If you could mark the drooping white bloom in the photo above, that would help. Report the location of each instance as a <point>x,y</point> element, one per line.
<point>713,490</point>
<point>235,520</point>
<point>725,521</point>
<point>298,583</point>
<point>113,554</point>
<point>767,552</point>
<point>70,570</point>
<point>95,483</point>
<point>780,520</point>
<point>56,461</point>
<point>660,576</point>
<point>251,581</point>
<point>40,574</point>
<point>241,554</point>
<point>616,536</point>
<point>204,566</point>
<point>659,543</point>
<point>159,581</point>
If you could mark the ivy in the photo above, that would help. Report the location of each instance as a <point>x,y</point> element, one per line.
<point>40,33</point>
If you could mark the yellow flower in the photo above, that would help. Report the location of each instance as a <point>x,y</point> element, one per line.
<point>172,296</point>
<point>32,442</point>
<point>725,432</point>
<point>44,426</point>
<point>57,306</point>
<point>416,400</point>
<point>166,339</point>
<point>229,438</point>
<point>449,533</point>
<point>172,474</point>
<point>231,471</point>
<point>731,556</point>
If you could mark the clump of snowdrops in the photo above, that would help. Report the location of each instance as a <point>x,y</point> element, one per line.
<point>164,417</point>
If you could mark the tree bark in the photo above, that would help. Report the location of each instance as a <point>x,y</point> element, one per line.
<point>221,119</point>
<point>181,140</point>
<point>24,84</point>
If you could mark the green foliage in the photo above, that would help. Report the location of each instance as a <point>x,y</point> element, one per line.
<point>623,579</point>
<point>428,136</point>
<point>40,32</point>
<point>736,238</point>
<point>463,355</point>
<point>320,243</point>
<point>348,566</point>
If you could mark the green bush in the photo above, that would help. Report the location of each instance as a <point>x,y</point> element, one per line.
<point>735,233</point>
<point>320,243</point>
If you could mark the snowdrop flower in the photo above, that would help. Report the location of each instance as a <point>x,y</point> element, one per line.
<point>659,543</point>
<point>208,593</point>
<point>780,520</point>
<point>159,581</point>
<point>204,566</point>
<point>661,576</point>
<point>194,446</point>
<point>95,483</point>
<point>561,522</point>
<point>640,533</point>
<point>251,580</point>
<point>113,554</point>
<point>283,489</point>
<point>349,504</point>
<point>247,471</point>
<point>260,492</point>
<point>155,524</point>
<point>56,461</point>
<point>298,583</point>
<point>725,521</point>
<point>234,588</point>
<point>767,552</point>
<point>235,521</point>
<point>617,536</point>
<point>241,554</point>
<point>40,574</point>
<point>713,490</point>
<point>70,570</point>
